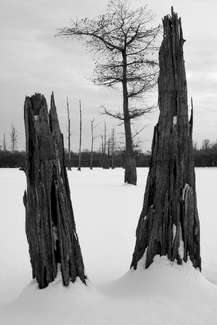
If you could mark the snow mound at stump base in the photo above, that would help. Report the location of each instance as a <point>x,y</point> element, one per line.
<point>165,293</point>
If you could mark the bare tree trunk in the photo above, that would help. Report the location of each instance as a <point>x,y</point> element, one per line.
<point>108,152</point>
<point>113,148</point>
<point>91,152</point>
<point>105,146</point>
<point>169,223</point>
<point>92,141</point>
<point>4,143</point>
<point>102,151</point>
<point>50,225</point>
<point>80,138</point>
<point>130,175</point>
<point>69,137</point>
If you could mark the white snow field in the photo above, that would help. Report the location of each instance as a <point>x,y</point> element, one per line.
<point>106,214</point>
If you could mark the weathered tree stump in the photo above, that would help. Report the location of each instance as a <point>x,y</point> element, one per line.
<point>169,223</point>
<point>50,225</point>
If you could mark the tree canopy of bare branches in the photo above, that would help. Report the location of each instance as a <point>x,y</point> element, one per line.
<point>124,42</point>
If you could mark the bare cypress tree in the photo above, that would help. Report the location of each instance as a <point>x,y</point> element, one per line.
<point>105,149</point>
<point>102,150</point>
<point>80,137</point>
<point>125,40</point>
<point>50,224</point>
<point>4,144</point>
<point>69,135</point>
<point>92,141</point>
<point>169,223</point>
<point>113,148</point>
<point>14,138</point>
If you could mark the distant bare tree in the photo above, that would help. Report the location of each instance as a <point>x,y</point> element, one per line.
<point>92,141</point>
<point>14,138</point>
<point>112,148</point>
<point>80,137</point>
<point>102,149</point>
<point>69,135</point>
<point>4,143</point>
<point>105,149</point>
<point>206,144</point>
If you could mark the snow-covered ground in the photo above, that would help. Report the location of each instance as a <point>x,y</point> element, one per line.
<point>106,213</point>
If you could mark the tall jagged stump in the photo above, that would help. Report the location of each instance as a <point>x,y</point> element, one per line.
<point>169,223</point>
<point>50,225</point>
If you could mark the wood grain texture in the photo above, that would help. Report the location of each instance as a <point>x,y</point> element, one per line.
<point>169,223</point>
<point>50,224</point>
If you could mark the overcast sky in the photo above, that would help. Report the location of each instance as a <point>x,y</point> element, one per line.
<point>33,60</point>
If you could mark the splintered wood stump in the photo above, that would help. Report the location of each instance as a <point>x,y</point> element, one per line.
<point>50,225</point>
<point>169,223</point>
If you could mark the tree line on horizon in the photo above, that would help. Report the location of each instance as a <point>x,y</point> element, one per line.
<point>204,156</point>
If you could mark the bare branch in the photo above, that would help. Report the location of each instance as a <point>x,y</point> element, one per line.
<point>134,112</point>
<point>138,130</point>
<point>118,116</point>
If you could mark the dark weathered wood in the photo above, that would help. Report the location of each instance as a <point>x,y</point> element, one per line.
<point>50,225</point>
<point>169,223</point>
<point>130,173</point>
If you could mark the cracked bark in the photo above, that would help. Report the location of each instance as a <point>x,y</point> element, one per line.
<point>169,223</point>
<point>50,224</point>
